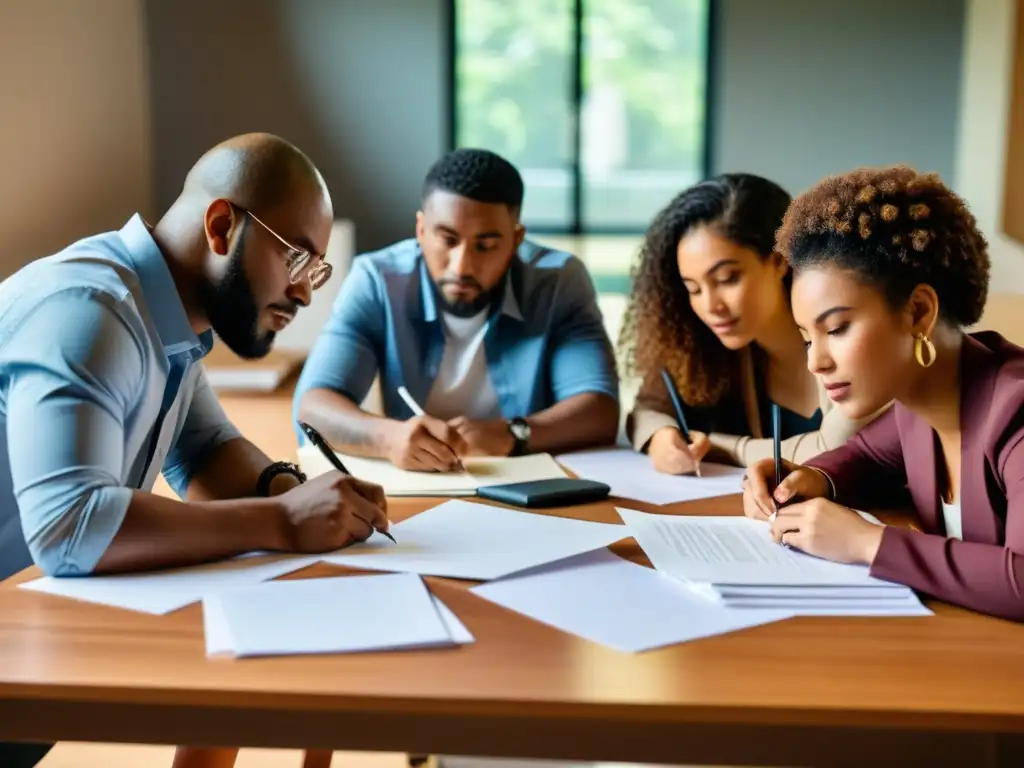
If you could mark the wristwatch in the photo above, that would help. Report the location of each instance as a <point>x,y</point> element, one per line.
<point>277,468</point>
<point>520,430</point>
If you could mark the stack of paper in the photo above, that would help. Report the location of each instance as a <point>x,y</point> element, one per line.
<point>227,372</point>
<point>337,615</point>
<point>735,562</point>
<point>632,476</point>
<point>611,601</point>
<point>464,540</point>
<point>160,592</point>
<point>479,471</point>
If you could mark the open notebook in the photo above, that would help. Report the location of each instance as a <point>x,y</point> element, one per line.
<point>480,471</point>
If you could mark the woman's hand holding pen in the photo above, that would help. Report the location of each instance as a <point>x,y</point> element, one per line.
<point>671,455</point>
<point>761,498</point>
<point>825,529</point>
<point>425,444</point>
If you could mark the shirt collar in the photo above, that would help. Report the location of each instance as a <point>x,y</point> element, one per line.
<point>162,299</point>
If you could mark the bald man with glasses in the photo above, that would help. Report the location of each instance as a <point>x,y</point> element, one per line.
<point>103,388</point>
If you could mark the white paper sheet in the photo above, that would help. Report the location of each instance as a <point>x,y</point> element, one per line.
<point>219,640</point>
<point>632,476</point>
<point>216,631</point>
<point>611,601</point>
<point>733,550</point>
<point>334,615</point>
<point>891,592</point>
<point>480,471</point>
<point>465,540</point>
<point>831,608</point>
<point>160,592</point>
<point>458,631</point>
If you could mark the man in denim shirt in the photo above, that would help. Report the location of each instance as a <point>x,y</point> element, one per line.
<point>498,341</point>
<point>102,387</point>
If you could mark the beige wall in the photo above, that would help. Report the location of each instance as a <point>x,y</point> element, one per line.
<point>74,122</point>
<point>981,150</point>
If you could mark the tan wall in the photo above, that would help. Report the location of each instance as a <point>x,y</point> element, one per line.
<point>74,122</point>
<point>981,149</point>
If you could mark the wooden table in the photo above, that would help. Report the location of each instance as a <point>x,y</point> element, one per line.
<point>947,690</point>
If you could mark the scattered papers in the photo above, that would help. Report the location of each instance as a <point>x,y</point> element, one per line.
<point>611,601</point>
<point>464,540</point>
<point>734,561</point>
<point>349,614</point>
<point>632,476</point>
<point>160,592</point>
<point>480,471</point>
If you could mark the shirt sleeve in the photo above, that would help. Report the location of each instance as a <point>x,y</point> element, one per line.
<point>876,453</point>
<point>205,428</point>
<point>835,430</point>
<point>344,358</point>
<point>582,359</point>
<point>983,577</point>
<point>74,370</point>
<point>654,411</point>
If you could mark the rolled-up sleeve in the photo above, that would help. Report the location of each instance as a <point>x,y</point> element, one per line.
<point>345,358</point>
<point>206,427</point>
<point>74,370</point>
<point>582,359</point>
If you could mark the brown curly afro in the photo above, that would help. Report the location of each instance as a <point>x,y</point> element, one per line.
<point>895,228</point>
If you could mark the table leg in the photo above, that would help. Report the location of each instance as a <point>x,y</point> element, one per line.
<point>204,757</point>
<point>317,758</point>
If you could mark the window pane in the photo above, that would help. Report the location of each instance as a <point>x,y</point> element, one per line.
<point>642,120</point>
<point>513,81</point>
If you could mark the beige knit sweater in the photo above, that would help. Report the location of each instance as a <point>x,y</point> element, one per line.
<point>654,410</point>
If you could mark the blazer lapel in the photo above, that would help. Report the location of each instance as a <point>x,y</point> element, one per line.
<point>977,382</point>
<point>920,457</point>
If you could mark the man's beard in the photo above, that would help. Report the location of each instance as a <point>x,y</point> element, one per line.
<point>231,307</point>
<point>464,308</point>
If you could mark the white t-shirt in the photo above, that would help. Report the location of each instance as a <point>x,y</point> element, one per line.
<point>954,521</point>
<point>463,384</point>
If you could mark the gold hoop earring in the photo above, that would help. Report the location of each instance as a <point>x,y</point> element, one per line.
<point>921,343</point>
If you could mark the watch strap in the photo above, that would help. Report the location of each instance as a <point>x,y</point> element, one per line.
<point>519,446</point>
<point>277,468</point>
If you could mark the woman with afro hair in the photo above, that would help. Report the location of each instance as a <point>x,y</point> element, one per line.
<point>889,268</point>
<point>710,305</point>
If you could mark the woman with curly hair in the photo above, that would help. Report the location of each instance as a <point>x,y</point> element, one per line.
<point>710,304</point>
<point>889,268</point>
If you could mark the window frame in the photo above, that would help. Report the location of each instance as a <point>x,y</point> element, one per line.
<point>576,225</point>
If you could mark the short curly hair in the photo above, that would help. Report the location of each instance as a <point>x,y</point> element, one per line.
<point>660,327</point>
<point>477,174</point>
<point>895,228</point>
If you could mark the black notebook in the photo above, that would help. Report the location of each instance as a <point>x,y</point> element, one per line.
<point>557,492</point>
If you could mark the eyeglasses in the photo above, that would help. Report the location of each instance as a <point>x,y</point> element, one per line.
<point>300,262</point>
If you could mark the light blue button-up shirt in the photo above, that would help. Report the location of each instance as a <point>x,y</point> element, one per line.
<point>545,342</point>
<point>100,389</point>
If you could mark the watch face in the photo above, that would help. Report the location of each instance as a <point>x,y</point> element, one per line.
<point>520,430</point>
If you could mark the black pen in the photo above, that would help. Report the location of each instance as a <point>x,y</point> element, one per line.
<point>318,440</point>
<point>777,450</point>
<point>677,404</point>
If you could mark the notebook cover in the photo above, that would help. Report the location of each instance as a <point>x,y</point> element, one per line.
<point>557,492</point>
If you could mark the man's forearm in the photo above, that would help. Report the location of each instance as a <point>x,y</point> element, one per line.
<point>345,424</point>
<point>231,471</point>
<point>158,532</point>
<point>582,421</point>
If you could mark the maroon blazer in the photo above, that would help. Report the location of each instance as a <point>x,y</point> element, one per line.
<point>899,451</point>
